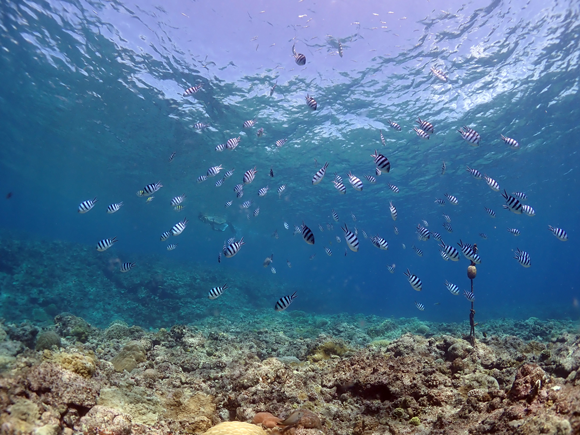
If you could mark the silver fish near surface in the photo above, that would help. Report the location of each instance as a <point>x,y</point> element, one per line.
<point>339,186</point>
<point>452,199</point>
<point>494,185</point>
<point>490,212</point>
<point>319,175</point>
<point>311,102</point>
<point>381,162</point>
<point>427,127</point>
<point>439,74</point>
<point>280,143</point>
<point>355,182</point>
<point>214,170</point>
<point>417,251</point>
<point>249,123</point>
<point>165,236</point>
<point>178,228</point>
<point>232,144</point>
<point>453,289</point>
<point>470,135</point>
<point>249,175</point>
<point>414,280</point>
<point>177,200</point>
<point>394,125</point>
<point>126,267</point>
<point>511,142</point>
<point>299,58</point>
<point>512,203</point>
<point>192,90</point>
<point>233,248</point>
<point>216,292</point>
<point>284,302</point>
<point>474,172</point>
<point>307,234</point>
<point>561,234</point>
<point>105,244</point>
<point>150,189</point>
<point>420,306</point>
<point>421,133</point>
<point>393,211</point>
<point>115,207</point>
<point>171,247</point>
<point>351,239</point>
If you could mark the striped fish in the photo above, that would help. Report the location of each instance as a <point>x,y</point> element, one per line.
<point>150,189</point>
<point>192,90</point>
<point>470,135</point>
<point>453,289</point>
<point>511,142</point>
<point>448,227</point>
<point>381,162</point>
<point>281,189</point>
<point>178,228</point>
<point>214,170</point>
<point>228,204</point>
<point>450,251</point>
<point>520,195</point>
<point>307,234</point>
<point>233,248</point>
<point>469,252</point>
<point>165,236</point>
<point>443,168</point>
<point>490,212</point>
<point>340,52</point>
<point>249,123</point>
<point>216,292</point>
<point>171,247</point>
<point>414,280</point>
<point>200,125</point>
<point>382,138</point>
<point>219,148</point>
<point>380,243</point>
<point>559,233</point>
<point>219,182</point>
<point>452,199</point>
<point>514,231</point>
<point>444,255</point>
<point>317,178</point>
<point>256,212</point>
<point>371,179</point>
<point>437,236</point>
<point>476,174</point>
<point>427,127</point>
<point>512,203</point>
<point>299,58</point>
<point>439,74</point>
<point>249,175</point>
<point>177,200</point>
<point>492,183</point>
<point>334,215</point>
<point>420,306</point>
<point>311,102</point>
<point>394,188</point>
<point>178,208</point>
<point>105,244</point>
<point>280,142</point>
<point>447,218</point>
<point>417,251</point>
<point>172,156</point>
<point>355,182</point>
<point>231,144</point>
<point>201,178</point>
<point>285,301</point>
<point>351,239</point>
<point>126,267</point>
<point>246,204</point>
<point>339,186</point>
<point>263,191</point>
<point>469,295</point>
<point>328,251</point>
<point>393,210</point>
<point>394,125</point>
<point>528,210</point>
<point>421,133</point>
<point>391,267</point>
<point>440,201</point>
<point>423,233</point>
<point>378,172</point>
<point>238,188</point>
<point>114,208</point>
<point>337,178</point>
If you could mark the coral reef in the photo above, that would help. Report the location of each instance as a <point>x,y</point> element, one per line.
<point>47,339</point>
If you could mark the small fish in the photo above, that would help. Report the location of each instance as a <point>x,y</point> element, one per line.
<point>403,246</point>
<point>216,292</point>
<point>320,228</point>
<point>219,182</point>
<point>420,306</point>
<point>289,264</point>
<point>423,233</point>
<point>105,244</point>
<point>378,172</point>
<point>273,88</point>
<point>394,125</point>
<point>393,210</point>
<point>453,289</point>
<point>443,168</point>
<point>444,255</point>
<point>249,175</point>
<point>437,236</point>
<point>286,225</point>
<point>394,188</point>
<point>353,217</point>
<point>256,212</point>
<point>177,200</point>
<point>114,208</point>
<point>365,234</point>
<point>165,236</point>
<point>214,170</point>
<point>172,156</point>
<point>396,230</point>
<point>382,138</point>
<point>469,295</point>
<point>483,235</point>
<point>126,267</point>
<point>448,227</point>
<point>238,188</point>
<point>311,102</point>
<point>178,228</point>
<point>440,201</point>
<point>192,90</point>
<point>338,240</point>
<point>219,148</point>
<point>512,203</point>
<point>355,182</point>
<point>201,178</point>
<point>200,125</point>
<point>240,194</point>
<point>337,178</point>
<point>469,252</point>
<point>319,175</point>
<point>297,230</point>
<point>87,205</point>
<point>246,204</point>
<point>414,280</point>
<point>328,252</point>
<point>275,234</point>
<point>307,234</point>
<point>371,179</point>
<point>474,172</point>
<point>427,127</point>
<point>514,231</point>
<point>178,208</point>
<point>380,243</point>
<point>271,172</point>
<point>511,142</point>
<point>417,251</point>
<point>228,204</point>
<point>280,143</point>
<point>281,189</point>
<point>339,186</point>
<point>260,132</point>
<point>492,183</point>
<point>528,210</point>
<point>249,123</point>
<point>233,248</point>
<point>559,233</point>
<point>490,212</point>
<point>450,251</point>
<point>263,191</point>
<point>391,267</point>
<point>335,215</point>
<point>381,162</point>
<point>232,144</point>
<point>283,303</point>
<point>172,246</point>
<point>299,58</point>
<point>447,218</point>
<point>452,199</point>
<point>523,258</point>
<point>439,74</point>
<point>421,133</point>
<point>340,49</point>
<point>273,269</point>
<point>520,195</point>
<point>470,135</point>
<point>351,239</point>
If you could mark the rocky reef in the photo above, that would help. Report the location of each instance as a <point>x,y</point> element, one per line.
<point>295,374</point>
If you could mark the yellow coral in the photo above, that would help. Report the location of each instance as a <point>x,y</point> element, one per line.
<point>236,428</point>
<point>327,350</point>
<point>84,365</point>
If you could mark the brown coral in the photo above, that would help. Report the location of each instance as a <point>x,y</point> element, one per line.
<point>129,357</point>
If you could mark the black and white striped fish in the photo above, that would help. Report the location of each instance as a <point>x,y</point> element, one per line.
<point>126,267</point>
<point>421,133</point>
<point>231,144</point>
<point>311,102</point>
<point>470,135</point>
<point>377,172</point>
<point>219,148</point>
<point>417,251</point>
<point>512,203</point>
<point>511,142</point>
<point>474,172</point>
<point>380,243</point>
<point>514,231</point>
<point>249,175</point>
<point>494,185</point>
<point>192,90</point>
<point>453,289</point>
<point>520,195</point>
<point>339,186</point>
<point>200,125</point>
<point>249,123</point>
<point>201,178</point>
<point>436,236</point>
<point>115,207</point>
<point>233,248</point>
<point>440,201</point>
<point>393,210</point>
<point>240,194</point>
<point>165,236</point>
<point>246,204</point>
<point>337,178</point>
<point>490,212</point>
<point>150,189</point>
<point>260,132</point>
<point>171,247</point>
<point>228,204</point>
<point>297,230</point>
<point>381,162</point>
<point>382,138</point>
<point>439,74</point>
<point>307,234</point>
<point>394,125</point>
<point>281,189</point>
<point>423,233</point>
<point>285,301</point>
<point>450,251</point>
<point>319,175</point>
<point>178,228</point>
<point>528,210</point>
<point>299,58</point>
<point>443,168</point>
<point>452,199</point>
<point>469,252</point>
<point>172,156</point>
<point>263,191</point>
<point>238,188</point>
<point>371,179</point>
<point>334,215</point>
<point>280,142</point>
<point>559,233</point>
<point>216,292</point>
<point>256,212</point>
<point>414,280</point>
<point>219,182</point>
<point>394,188</point>
<point>177,200</point>
<point>391,267</point>
<point>469,295</point>
<point>214,170</point>
<point>420,306</point>
<point>447,218</point>
<point>444,255</point>
<point>355,182</point>
<point>448,227</point>
<point>328,251</point>
<point>105,244</point>
<point>351,239</point>
<point>427,127</point>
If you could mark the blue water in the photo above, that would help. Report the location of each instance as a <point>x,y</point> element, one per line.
<point>91,106</point>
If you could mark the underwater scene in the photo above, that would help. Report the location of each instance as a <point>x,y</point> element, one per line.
<point>289,217</point>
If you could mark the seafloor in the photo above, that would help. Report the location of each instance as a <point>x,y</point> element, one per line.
<point>227,360</point>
